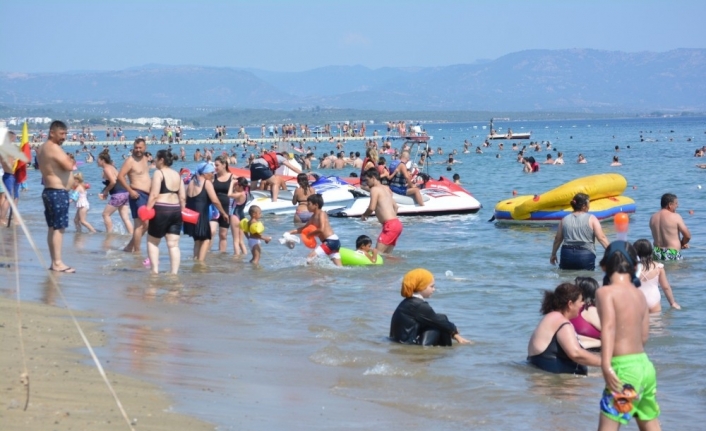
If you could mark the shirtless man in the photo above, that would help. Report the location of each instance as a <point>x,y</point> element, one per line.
<point>339,162</point>
<point>667,226</point>
<point>330,244</point>
<point>625,328</point>
<point>56,167</point>
<point>136,169</point>
<point>401,181</point>
<point>385,208</point>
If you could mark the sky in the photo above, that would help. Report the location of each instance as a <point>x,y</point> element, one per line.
<point>46,36</point>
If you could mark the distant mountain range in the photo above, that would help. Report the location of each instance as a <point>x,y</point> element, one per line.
<point>577,80</point>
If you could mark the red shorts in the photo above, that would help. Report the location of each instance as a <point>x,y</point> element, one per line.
<point>391,230</point>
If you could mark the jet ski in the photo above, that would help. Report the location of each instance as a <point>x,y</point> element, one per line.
<point>335,192</point>
<point>440,196</point>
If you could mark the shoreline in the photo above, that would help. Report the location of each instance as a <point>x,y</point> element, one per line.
<point>65,391</point>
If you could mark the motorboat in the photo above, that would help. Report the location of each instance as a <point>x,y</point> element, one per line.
<point>335,192</point>
<point>441,197</point>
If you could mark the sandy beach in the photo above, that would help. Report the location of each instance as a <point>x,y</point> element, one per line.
<point>66,390</point>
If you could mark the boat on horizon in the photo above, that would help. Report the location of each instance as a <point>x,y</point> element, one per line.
<point>509,135</point>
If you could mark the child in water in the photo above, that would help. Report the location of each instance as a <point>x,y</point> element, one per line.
<point>330,244</point>
<point>363,246</point>
<point>82,205</point>
<point>253,230</point>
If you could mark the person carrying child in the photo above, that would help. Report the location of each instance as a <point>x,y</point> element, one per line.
<point>82,205</point>
<point>253,230</point>
<point>363,245</point>
<point>330,244</point>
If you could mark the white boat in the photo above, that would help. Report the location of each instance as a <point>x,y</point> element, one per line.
<point>335,192</point>
<point>509,135</point>
<point>440,197</point>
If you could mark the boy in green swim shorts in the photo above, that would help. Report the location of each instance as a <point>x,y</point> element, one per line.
<point>630,377</point>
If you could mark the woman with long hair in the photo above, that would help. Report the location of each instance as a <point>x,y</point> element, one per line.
<point>577,234</point>
<point>222,185</point>
<point>554,346</point>
<point>115,193</point>
<point>652,275</point>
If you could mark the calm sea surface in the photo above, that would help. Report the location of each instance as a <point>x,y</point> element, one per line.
<point>291,346</point>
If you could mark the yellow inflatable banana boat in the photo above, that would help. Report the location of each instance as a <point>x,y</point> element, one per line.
<point>604,190</point>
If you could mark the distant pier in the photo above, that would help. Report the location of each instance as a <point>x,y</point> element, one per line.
<point>236,141</point>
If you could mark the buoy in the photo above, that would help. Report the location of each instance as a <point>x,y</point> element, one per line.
<point>189,216</point>
<point>622,223</point>
<point>145,213</point>
<point>309,241</point>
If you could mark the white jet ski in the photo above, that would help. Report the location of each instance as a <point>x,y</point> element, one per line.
<point>440,197</point>
<point>335,192</point>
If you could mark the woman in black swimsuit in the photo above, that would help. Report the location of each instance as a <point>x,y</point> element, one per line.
<point>223,184</point>
<point>239,197</point>
<point>167,197</point>
<point>554,345</point>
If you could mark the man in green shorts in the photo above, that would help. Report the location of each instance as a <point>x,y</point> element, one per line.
<point>630,377</point>
<point>669,231</point>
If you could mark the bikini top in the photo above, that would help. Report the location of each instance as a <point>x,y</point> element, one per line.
<point>163,187</point>
<point>583,327</point>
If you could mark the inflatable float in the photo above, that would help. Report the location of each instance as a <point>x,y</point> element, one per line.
<point>353,258</point>
<point>604,191</point>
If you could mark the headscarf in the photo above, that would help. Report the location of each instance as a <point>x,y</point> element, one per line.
<point>416,280</point>
<point>205,168</point>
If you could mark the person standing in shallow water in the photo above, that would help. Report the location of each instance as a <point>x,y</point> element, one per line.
<point>630,378</point>
<point>578,233</point>
<point>56,168</point>
<point>669,231</point>
<point>414,321</point>
<point>136,169</point>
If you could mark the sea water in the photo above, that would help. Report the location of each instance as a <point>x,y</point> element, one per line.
<point>296,346</point>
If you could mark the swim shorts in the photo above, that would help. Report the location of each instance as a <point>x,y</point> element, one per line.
<point>329,247</point>
<point>137,203</point>
<point>167,219</point>
<point>399,190</point>
<point>666,254</point>
<point>56,208</point>
<point>11,185</point>
<point>118,199</point>
<point>637,371</point>
<point>252,242</point>
<point>260,172</point>
<point>391,230</point>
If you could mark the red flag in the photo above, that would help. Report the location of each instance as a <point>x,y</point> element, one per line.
<point>20,165</point>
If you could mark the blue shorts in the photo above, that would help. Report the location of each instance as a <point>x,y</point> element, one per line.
<point>56,208</point>
<point>137,203</point>
<point>12,187</point>
<point>399,190</point>
<point>574,257</point>
<point>260,172</point>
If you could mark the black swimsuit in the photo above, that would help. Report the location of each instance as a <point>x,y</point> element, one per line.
<point>555,360</point>
<point>222,188</point>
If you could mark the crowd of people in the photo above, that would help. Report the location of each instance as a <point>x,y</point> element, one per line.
<point>584,323</point>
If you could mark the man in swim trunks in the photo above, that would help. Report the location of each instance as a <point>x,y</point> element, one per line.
<point>136,169</point>
<point>630,377</point>
<point>56,168</point>
<point>330,244</point>
<point>385,208</point>
<point>669,231</point>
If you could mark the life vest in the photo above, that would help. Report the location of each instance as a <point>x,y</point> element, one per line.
<point>271,159</point>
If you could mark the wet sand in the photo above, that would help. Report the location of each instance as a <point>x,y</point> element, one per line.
<point>66,390</point>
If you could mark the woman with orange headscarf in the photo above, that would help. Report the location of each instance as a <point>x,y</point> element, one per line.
<point>414,321</point>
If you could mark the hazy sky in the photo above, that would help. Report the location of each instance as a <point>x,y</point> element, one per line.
<point>63,35</point>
